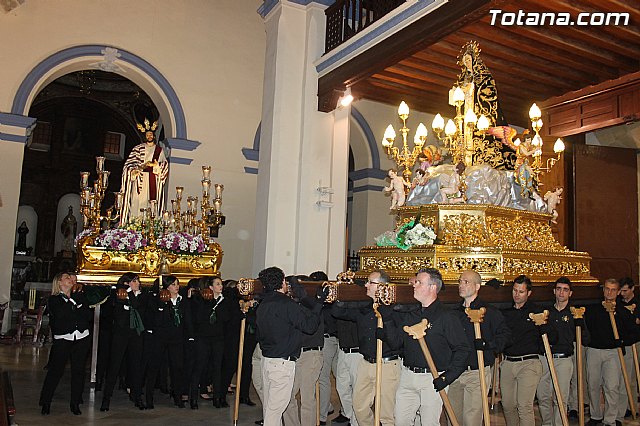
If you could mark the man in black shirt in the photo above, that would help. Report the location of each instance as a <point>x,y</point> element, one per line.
<point>561,318</point>
<point>521,370</point>
<point>281,323</point>
<point>628,299</point>
<point>464,392</point>
<point>603,364</point>
<point>445,338</point>
<point>364,390</point>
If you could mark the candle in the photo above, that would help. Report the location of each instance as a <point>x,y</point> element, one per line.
<point>84,179</point>
<point>206,184</point>
<point>206,172</point>
<point>105,178</point>
<point>165,218</point>
<point>195,206</point>
<point>189,203</point>
<point>119,198</point>
<point>99,164</point>
<point>219,189</point>
<point>174,206</point>
<point>217,204</point>
<point>95,186</point>
<point>86,195</point>
<point>179,190</point>
<point>154,208</point>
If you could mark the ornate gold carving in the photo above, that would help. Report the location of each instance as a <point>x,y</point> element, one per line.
<point>395,263</point>
<point>479,264</point>
<point>346,277</point>
<point>521,233</point>
<point>517,266</point>
<point>386,294</point>
<point>463,230</point>
<point>245,286</point>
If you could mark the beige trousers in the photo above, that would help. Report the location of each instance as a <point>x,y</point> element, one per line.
<point>466,397</point>
<point>603,375</point>
<point>365,391</point>
<point>573,388</point>
<point>623,401</point>
<point>329,363</point>
<point>307,372</point>
<point>547,402</point>
<point>256,372</point>
<point>518,383</point>
<point>415,397</point>
<point>346,377</point>
<point>277,380</point>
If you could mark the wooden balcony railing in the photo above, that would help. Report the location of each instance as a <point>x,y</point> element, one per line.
<point>345,18</point>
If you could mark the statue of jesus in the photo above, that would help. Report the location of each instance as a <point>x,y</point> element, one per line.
<point>143,175</point>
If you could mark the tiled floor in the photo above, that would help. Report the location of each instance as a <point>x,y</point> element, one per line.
<point>25,364</point>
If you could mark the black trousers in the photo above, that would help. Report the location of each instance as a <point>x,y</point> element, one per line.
<point>130,345</point>
<point>208,367</point>
<point>159,346</point>
<point>61,351</point>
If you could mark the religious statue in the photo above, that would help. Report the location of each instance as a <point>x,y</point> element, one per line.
<point>23,230</point>
<point>553,198</point>
<point>481,96</point>
<point>396,188</point>
<point>450,190</point>
<point>421,178</point>
<point>523,174</point>
<point>69,229</point>
<point>143,175</point>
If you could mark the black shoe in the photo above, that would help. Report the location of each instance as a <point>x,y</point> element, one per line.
<point>259,422</point>
<point>75,409</point>
<point>627,414</point>
<point>322,423</point>
<point>594,422</point>
<point>46,409</point>
<point>216,402</point>
<point>330,413</point>
<point>179,403</point>
<point>194,404</point>
<point>138,403</point>
<point>247,401</point>
<point>340,419</point>
<point>223,402</point>
<point>573,414</point>
<point>618,423</point>
<point>149,405</point>
<point>105,404</point>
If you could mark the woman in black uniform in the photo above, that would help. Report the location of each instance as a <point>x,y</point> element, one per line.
<point>128,308</point>
<point>69,319</point>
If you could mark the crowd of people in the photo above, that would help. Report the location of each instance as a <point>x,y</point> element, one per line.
<point>294,341</point>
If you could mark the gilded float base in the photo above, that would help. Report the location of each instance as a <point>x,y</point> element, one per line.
<point>498,242</point>
<point>98,266</point>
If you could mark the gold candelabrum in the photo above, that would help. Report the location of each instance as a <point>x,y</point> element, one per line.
<point>558,147</point>
<point>91,198</point>
<point>404,158</point>
<point>458,133</point>
<point>211,217</point>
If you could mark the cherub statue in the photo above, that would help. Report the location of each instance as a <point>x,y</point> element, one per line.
<point>450,192</point>
<point>553,198</point>
<point>396,188</point>
<point>421,178</point>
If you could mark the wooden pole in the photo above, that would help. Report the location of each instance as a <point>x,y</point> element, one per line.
<point>541,319</point>
<point>611,308</point>
<point>632,309</point>
<point>579,313</point>
<point>244,306</point>
<point>376,408</point>
<point>494,380</point>
<point>476,316</point>
<point>318,403</point>
<point>418,331</point>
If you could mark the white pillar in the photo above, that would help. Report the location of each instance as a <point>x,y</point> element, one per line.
<point>301,150</point>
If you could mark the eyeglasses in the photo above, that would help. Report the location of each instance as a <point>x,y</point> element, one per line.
<point>373,282</point>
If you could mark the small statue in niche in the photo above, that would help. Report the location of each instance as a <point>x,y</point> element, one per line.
<point>553,198</point>
<point>69,229</point>
<point>396,188</point>
<point>23,230</point>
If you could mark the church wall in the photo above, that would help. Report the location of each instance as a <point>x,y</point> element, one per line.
<point>211,53</point>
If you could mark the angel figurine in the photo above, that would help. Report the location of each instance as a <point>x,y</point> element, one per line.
<point>553,198</point>
<point>450,191</point>
<point>421,178</point>
<point>396,188</point>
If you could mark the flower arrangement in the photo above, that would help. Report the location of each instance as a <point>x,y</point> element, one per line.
<point>181,242</point>
<point>85,233</point>
<point>412,233</point>
<point>121,239</point>
<point>135,224</point>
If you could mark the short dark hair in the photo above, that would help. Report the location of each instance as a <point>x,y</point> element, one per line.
<point>168,280</point>
<point>612,281</point>
<point>384,277</point>
<point>523,279</point>
<point>271,278</point>
<point>627,281</point>
<point>563,280</point>
<point>318,276</point>
<point>434,275</point>
<point>126,278</point>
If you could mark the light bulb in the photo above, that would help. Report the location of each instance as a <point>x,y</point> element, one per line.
<point>438,123</point>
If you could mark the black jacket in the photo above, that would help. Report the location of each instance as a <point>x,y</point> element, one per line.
<point>67,315</point>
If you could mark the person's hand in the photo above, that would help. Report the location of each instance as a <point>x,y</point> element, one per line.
<point>165,296</point>
<point>579,322</point>
<point>441,382</point>
<point>380,333</point>
<point>121,294</point>
<point>323,293</point>
<point>479,344</point>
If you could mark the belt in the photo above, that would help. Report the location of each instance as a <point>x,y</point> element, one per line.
<point>327,335</point>
<point>312,348</point>
<point>561,355</point>
<point>420,370</point>
<point>291,358</point>
<point>385,359</point>
<point>520,358</point>
<point>350,350</point>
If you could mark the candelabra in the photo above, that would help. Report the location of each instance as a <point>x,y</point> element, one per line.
<point>558,147</point>
<point>459,132</point>
<point>403,157</point>
<point>91,198</point>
